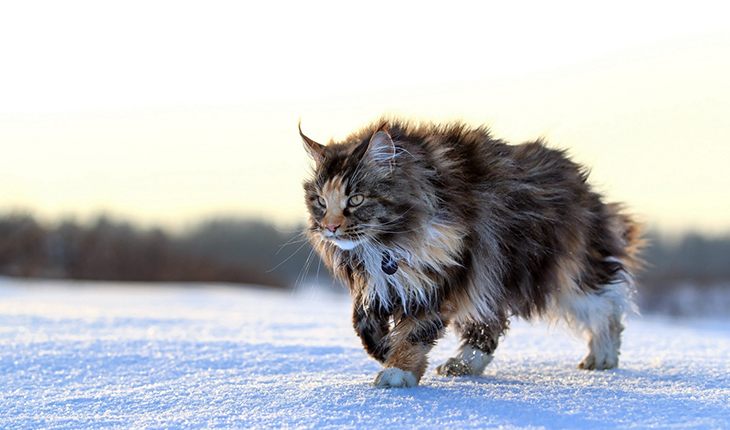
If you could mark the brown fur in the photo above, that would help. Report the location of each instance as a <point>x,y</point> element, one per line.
<point>479,230</point>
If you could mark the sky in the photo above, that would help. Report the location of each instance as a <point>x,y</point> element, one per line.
<point>169,112</point>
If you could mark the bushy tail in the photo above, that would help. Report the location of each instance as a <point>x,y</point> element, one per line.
<point>630,233</point>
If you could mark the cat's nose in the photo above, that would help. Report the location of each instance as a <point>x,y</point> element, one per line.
<point>332,227</point>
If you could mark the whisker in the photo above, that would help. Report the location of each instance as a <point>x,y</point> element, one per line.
<point>305,269</point>
<point>294,240</point>
<point>287,258</point>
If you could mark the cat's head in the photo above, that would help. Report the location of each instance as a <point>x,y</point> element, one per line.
<point>357,194</point>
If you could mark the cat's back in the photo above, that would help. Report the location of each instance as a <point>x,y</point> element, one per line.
<point>532,170</point>
<point>471,157</point>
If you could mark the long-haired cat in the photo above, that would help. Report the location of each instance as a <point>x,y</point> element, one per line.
<point>430,225</point>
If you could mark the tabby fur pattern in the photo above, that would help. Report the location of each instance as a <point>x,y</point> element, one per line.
<point>434,225</point>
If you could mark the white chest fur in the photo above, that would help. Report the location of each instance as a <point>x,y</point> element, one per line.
<point>432,252</point>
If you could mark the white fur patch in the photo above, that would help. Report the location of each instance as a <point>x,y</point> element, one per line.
<point>411,282</point>
<point>602,356</point>
<point>592,311</point>
<point>344,244</point>
<point>393,377</point>
<point>597,315</point>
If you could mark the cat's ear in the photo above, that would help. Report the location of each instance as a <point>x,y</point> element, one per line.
<point>315,150</point>
<point>381,147</point>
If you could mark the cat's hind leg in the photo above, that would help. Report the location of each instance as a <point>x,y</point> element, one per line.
<point>478,343</point>
<point>598,315</point>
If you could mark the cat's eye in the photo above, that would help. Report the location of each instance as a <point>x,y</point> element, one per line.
<point>321,202</point>
<point>355,200</point>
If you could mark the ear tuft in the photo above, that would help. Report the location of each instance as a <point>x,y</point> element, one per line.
<point>315,150</point>
<point>381,148</point>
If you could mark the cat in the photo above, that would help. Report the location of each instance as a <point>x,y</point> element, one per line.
<point>433,225</point>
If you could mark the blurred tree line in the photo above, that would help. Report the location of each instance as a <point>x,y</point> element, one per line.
<point>686,275</point>
<point>225,250</point>
<point>678,271</point>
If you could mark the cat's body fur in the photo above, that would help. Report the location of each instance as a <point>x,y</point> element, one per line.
<point>478,231</point>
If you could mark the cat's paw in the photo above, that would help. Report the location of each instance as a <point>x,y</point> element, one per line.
<point>469,361</point>
<point>602,361</point>
<point>454,367</point>
<point>394,377</point>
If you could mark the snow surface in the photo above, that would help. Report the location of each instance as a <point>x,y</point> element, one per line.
<point>83,355</point>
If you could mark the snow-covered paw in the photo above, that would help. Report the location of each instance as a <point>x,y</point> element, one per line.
<point>394,377</point>
<point>454,367</point>
<point>469,361</point>
<point>599,361</point>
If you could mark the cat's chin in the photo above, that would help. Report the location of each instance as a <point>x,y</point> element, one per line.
<point>345,244</point>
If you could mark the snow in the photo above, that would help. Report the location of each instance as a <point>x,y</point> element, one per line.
<point>76,355</point>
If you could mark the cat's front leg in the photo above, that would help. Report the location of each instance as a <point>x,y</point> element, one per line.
<point>407,347</point>
<point>371,327</point>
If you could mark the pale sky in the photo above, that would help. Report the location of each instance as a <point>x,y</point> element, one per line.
<point>166,112</point>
